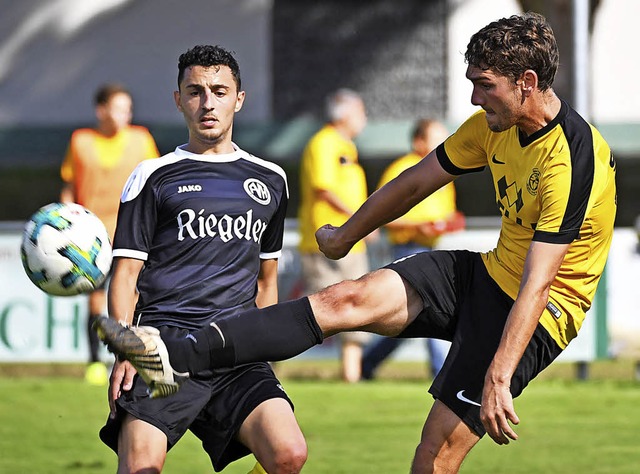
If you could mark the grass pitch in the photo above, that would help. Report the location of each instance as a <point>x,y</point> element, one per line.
<point>50,423</point>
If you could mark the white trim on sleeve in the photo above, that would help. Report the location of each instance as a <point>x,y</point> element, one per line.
<point>129,253</point>
<point>270,255</point>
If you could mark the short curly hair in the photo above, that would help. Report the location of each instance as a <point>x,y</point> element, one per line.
<point>208,55</point>
<point>510,46</point>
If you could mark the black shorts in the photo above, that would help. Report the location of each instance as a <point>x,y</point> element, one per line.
<point>212,405</point>
<point>464,305</point>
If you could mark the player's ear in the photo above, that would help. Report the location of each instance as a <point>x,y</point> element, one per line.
<point>176,98</point>
<point>528,82</point>
<point>239,101</point>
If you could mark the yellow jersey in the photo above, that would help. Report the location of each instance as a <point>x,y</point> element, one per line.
<point>329,162</point>
<point>437,207</point>
<point>98,167</point>
<point>556,185</point>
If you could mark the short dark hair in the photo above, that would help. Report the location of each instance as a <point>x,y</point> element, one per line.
<point>104,93</point>
<point>510,46</point>
<point>207,55</point>
<point>421,126</point>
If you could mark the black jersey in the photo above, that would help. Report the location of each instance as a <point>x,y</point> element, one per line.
<point>201,224</point>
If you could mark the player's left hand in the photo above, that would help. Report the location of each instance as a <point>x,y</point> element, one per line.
<point>121,380</point>
<point>497,411</point>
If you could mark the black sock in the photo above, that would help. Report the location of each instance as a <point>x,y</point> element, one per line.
<point>94,340</point>
<point>273,333</point>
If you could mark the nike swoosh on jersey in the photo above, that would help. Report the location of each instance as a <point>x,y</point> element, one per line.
<point>496,160</point>
<point>462,398</point>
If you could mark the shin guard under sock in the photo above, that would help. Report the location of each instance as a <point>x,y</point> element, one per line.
<point>273,333</point>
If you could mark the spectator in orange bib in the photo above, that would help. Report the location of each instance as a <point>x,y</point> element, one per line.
<point>97,164</point>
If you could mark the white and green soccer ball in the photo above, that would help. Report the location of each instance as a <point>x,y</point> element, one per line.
<point>66,250</point>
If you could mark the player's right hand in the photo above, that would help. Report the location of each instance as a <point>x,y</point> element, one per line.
<point>330,243</point>
<point>121,380</point>
<point>497,412</point>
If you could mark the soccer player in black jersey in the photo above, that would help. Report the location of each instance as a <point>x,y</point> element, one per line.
<point>509,312</point>
<point>198,236</point>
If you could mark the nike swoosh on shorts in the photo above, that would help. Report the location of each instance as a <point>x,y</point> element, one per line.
<point>462,398</point>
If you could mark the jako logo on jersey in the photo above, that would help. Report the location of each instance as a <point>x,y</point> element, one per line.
<point>258,191</point>
<point>196,225</point>
<point>189,188</point>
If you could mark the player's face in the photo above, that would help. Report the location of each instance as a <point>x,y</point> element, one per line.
<point>116,113</point>
<point>208,98</point>
<point>433,136</point>
<point>356,119</point>
<point>498,95</point>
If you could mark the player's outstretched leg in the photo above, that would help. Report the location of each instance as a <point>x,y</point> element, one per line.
<point>143,347</point>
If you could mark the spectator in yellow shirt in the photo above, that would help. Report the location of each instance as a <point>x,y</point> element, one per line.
<point>97,164</point>
<point>333,186</point>
<point>417,231</point>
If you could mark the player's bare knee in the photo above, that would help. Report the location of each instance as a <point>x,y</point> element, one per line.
<point>352,296</point>
<point>330,298</point>
<point>290,458</point>
<point>345,298</point>
<point>427,452</point>
<point>436,456</point>
<point>136,465</point>
<point>139,454</point>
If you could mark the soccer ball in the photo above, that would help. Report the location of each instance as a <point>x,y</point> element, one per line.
<point>65,250</point>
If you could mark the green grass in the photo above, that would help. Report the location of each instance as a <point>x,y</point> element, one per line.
<point>49,424</point>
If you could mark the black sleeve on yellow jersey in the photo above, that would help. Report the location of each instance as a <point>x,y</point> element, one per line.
<point>580,139</point>
<point>556,237</point>
<point>449,167</point>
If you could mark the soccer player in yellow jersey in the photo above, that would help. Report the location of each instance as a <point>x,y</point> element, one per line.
<point>417,231</point>
<point>97,164</point>
<point>509,312</point>
<point>422,226</point>
<point>332,187</point>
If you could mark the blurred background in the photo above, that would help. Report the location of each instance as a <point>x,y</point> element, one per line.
<point>404,56</point>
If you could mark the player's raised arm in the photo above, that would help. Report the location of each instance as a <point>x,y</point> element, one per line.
<point>388,203</point>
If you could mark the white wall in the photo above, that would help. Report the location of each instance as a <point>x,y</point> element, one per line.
<point>614,62</point>
<point>623,289</point>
